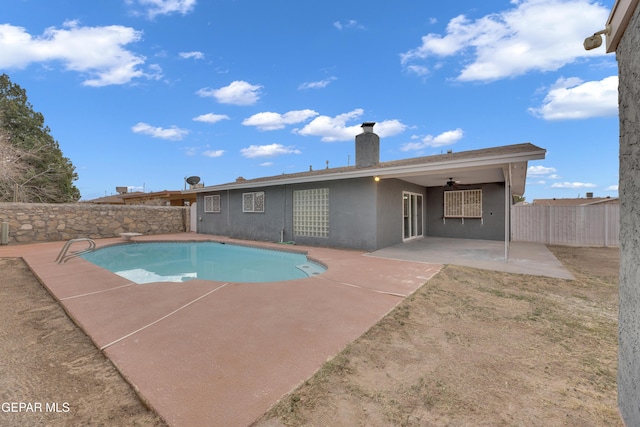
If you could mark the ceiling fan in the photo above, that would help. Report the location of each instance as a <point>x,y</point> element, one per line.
<point>452,183</point>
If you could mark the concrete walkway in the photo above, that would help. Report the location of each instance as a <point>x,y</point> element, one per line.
<point>221,354</point>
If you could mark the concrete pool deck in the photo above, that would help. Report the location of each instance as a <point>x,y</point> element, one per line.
<point>219,353</point>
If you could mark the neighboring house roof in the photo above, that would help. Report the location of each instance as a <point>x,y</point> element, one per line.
<point>164,194</point>
<point>579,201</point>
<point>139,196</point>
<point>487,165</point>
<point>115,199</point>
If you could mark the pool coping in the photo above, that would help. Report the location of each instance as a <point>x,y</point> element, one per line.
<point>213,353</point>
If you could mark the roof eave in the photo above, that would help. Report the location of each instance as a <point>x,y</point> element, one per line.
<point>383,172</point>
<point>619,19</point>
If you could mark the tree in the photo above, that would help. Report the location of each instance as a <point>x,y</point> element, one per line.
<point>518,199</point>
<point>32,166</point>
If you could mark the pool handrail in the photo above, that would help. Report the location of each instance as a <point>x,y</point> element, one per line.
<point>63,257</point>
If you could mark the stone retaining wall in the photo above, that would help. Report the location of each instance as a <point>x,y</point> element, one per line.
<point>43,222</point>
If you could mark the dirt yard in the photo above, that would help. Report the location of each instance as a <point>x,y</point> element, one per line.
<point>479,348</point>
<point>50,372</point>
<point>471,347</point>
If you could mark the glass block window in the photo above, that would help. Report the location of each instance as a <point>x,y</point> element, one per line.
<point>212,204</point>
<point>463,204</point>
<point>311,212</point>
<point>253,202</point>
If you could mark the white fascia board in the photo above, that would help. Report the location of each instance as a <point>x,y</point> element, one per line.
<point>621,14</point>
<point>493,161</point>
<point>388,172</point>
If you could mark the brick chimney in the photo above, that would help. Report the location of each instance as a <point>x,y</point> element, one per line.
<point>367,147</point>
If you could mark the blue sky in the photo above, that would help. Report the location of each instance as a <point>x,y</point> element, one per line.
<point>143,93</point>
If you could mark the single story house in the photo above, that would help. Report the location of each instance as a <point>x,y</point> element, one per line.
<point>373,204</point>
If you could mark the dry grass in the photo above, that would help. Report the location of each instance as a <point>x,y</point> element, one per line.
<point>474,347</point>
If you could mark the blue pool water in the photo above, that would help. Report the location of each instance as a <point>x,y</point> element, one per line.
<point>182,261</point>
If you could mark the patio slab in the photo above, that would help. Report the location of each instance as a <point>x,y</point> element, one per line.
<point>524,257</point>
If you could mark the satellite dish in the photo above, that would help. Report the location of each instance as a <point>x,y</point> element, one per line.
<point>193,180</point>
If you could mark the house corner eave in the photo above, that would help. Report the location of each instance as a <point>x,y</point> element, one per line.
<point>619,19</point>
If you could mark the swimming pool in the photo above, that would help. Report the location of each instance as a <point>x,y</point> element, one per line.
<point>182,261</point>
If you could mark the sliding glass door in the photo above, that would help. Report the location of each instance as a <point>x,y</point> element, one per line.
<point>412,206</point>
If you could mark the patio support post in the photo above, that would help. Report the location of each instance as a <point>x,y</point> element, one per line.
<point>507,212</point>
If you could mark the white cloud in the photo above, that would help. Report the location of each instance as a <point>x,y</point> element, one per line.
<point>213,153</point>
<point>236,93</point>
<point>538,171</point>
<point>445,138</point>
<point>268,150</point>
<point>612,188</point>
<point>173,133</point>
<point>190,151</point>
<point>351,23</point>
<point>194,55</point>
<point>572,185</point>
<point>265,164</point>
<point>388,128</point>
<point>574,99</point>
<point>317,85</point>
<point>165,7</point>
<point>273,121</point>
<point>419,70</point>
<point>542,35</point>
<point>97,52</point>
<point>211,118</point>
<point>332,129</point>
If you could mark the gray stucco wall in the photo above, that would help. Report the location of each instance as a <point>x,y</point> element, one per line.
<point>491,227</point>
<point>629,191</point>
<point>352,213</point>
<point>389,207</point>
<point>232,222</point>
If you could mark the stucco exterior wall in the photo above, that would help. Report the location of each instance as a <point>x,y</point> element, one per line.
<point>629,191</point>
<point>389,206</point>
<point>352,212</point>
<point>43,222</point>
<point>363,214</point>
<point>490,227</point>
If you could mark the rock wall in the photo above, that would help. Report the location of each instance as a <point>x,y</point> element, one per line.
<point>629,190</point>
<point>42,222</point>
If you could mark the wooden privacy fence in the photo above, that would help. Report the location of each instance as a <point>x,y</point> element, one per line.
<point>567,225</point>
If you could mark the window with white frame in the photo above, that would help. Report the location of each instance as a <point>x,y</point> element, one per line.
<point>212,204</point>
<point>463,204</point>
<point>311,212</point>
<point>253,202</point>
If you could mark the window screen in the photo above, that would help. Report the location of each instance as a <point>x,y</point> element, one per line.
<point>463,204</point>
<point>253,202</point>
<point>212,204</point>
